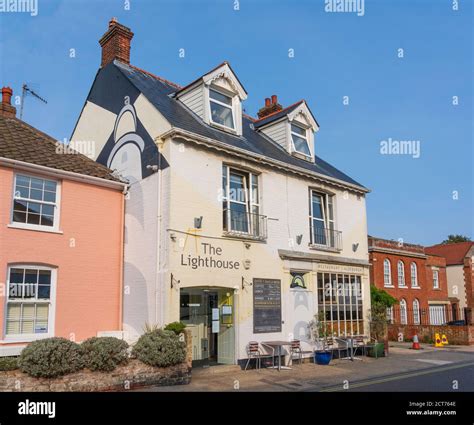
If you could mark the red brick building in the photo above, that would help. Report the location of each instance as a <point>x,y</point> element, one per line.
<point>416,279</point>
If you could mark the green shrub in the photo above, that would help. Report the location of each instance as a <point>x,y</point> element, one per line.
<point>176,327</point>
<point>51,357</point>
<point>8,363</point>
<point>104,353</point>
<point>160,348</point>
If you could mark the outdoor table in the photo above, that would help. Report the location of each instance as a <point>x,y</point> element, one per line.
<point>351,346</point>
<point>278,345</point>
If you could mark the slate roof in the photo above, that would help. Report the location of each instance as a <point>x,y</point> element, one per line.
<point>21,142</point>
<point>453,252</point>
<point>158,91</point>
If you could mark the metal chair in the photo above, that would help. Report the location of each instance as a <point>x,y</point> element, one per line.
<point>253,352</point>
<point>295,348</point>
<point>359,344</point>
<point>345,346</point>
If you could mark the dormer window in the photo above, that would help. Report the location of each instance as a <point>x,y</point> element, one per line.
<point>221,109</point>
<point>299,140</point>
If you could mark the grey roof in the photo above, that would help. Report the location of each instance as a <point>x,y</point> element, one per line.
<point>158,92</point>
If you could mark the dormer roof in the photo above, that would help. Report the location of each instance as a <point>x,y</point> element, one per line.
<point>221,71</point>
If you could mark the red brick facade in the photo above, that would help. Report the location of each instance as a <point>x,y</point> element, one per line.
<point>381,250</point>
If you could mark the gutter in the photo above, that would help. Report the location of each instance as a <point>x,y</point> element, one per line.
<point>192,137</point>
<point>27,166</point>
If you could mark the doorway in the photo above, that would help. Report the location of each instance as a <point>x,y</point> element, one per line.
<point>209,314</point>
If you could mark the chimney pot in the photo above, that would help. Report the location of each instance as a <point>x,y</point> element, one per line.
<point>267,102</point>
<point>6,108</point>
<point>274,99</point>
<point>271,106</point>
<point>115,43</point>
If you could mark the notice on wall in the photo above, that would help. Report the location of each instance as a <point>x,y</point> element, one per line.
<point>266,305</point>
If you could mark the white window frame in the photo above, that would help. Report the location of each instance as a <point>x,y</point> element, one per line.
<point>401,274</point>
<point>403,312</point>
<point>387,272</point>
<point>416,312</point>
<point>23,337</point>
<point>232,108</point>
<point>305,137</point>
<point>436,279</point>
<point>414,275</point>
<point>56,205</point>
<point>325,197</point>
<point>250,201</point>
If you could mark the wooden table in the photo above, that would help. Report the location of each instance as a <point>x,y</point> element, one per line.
<point>278,345</point>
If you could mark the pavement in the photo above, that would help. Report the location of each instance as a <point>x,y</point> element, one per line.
<point>450,368</point>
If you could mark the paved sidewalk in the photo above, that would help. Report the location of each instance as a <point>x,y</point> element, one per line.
<point>311,377</point>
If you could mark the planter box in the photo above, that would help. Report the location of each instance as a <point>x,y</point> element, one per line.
<point>376,350</point>
<point>322,357</point>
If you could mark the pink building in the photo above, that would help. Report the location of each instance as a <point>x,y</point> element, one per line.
<point>61,239</point>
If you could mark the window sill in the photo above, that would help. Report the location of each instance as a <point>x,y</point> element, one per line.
<point>34,228</point>
<point>302,156</point>
<point>223,128</point>
<point>402,287</point>
<point>389,286</point>
<point>415,287</point>
<point>244,236</point>
<point>21,339</point>
<point>324,248</point>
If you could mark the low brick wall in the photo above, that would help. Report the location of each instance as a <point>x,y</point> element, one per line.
<point>457,335</point>
<point>134,374</point>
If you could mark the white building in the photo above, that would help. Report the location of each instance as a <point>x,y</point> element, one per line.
<point>233,224</point>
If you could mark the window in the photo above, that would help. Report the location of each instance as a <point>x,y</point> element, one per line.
<point>390,314</point>
<point>387,275</point>
<point>414,275</point>
<point>35,201</point>
<point>340,302</point>
<point>299,140</point>
<point>221,109</point>
<point>322,222</point>
<point>28,309</point>
<point>241,207</point>
<point>403,312</point>
<point>435,279</point>
<point>401,273</point>
<point>416,312</point>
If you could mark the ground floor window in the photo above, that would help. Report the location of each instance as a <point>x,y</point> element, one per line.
<point>340,300</point>
<point>29,300</point>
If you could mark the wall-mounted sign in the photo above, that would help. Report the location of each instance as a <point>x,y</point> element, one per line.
<point>297,280</point>
<point>266,305</point>
<point>210,258</point>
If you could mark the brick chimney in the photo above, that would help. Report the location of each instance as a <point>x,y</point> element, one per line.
<point>6,108</point>
<point>271,106</point>
<point>115,43</point>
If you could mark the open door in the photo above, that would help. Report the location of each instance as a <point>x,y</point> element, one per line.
<point>226,337</point>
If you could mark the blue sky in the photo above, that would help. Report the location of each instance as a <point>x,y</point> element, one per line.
<point>335,55</point>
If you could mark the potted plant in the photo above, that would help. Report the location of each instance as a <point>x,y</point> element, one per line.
<point>319,332</point>
<point>380,302</point>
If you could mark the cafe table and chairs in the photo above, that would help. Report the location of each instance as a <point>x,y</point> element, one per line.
<point>278,346</point>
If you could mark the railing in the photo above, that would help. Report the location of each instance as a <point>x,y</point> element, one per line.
<point>326,238</point>
<point>437,315</point>
<point>245,224</point>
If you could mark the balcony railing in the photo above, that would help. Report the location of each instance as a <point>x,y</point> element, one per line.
<point>249,225</point>
<point>326,238</point>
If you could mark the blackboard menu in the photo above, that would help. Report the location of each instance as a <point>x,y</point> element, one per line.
<point>266,305</point>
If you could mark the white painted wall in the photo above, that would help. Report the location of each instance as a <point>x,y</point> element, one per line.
<point>456,288</point>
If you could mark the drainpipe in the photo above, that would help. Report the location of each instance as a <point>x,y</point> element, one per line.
<point>159,294</point>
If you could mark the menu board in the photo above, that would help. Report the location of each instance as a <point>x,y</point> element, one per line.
<point>266,305</point>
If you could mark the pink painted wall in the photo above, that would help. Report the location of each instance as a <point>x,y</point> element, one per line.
<point>88,286</point>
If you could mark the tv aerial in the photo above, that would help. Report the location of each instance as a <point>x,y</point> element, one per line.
<point>25,92</point>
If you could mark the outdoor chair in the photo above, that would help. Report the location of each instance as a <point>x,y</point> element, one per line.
<point>342,345</point>
<point>254,352</point>
<point>360,344</point>
<point>295,348</point>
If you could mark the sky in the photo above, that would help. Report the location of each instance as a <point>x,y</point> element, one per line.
<point>363,90</point>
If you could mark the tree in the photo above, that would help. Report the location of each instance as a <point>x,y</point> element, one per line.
<point>380,301</point>
<point>456,239</point>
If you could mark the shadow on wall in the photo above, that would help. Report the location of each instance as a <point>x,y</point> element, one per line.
<point>135,302</point>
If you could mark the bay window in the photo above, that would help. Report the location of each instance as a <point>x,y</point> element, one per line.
<point>35,202</point>
<point>29,298</point>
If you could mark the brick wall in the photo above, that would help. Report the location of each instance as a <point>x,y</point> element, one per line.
<point>462,335</point>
